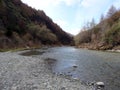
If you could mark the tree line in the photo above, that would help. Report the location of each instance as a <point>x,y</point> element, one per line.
<point>22,25</point>
<point>104,35</point>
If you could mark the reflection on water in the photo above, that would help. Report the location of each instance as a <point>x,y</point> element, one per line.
<point>86,65</point>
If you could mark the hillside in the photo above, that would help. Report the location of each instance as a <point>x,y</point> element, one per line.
<point>104,35</point>
<point>22,26</point>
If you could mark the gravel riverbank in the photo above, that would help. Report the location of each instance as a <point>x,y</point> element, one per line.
<point>29,73</point>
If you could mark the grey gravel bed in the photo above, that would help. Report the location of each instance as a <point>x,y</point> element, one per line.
<point>29,73</point>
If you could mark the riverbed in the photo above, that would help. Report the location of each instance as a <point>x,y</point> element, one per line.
<point>59,68</point>
<point>27,70</point>
<point>86,65</point>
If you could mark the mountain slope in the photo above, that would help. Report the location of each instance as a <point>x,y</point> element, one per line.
<point>104,35</point>
<point>21,26</point>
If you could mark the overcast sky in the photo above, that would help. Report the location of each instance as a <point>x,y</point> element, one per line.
<point>71,15</point>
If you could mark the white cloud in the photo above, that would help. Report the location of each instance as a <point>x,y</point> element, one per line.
<point>74,31</point>
<point>85,3</point>
<point>66,26</point>
<point>71,2</point>
<point>84,11</point>
<point>91,9</point>
<point>117,4</point>
<point>92,3</point>
<point>47,3</point>
<point>38,4</point>
<point>61,23</point>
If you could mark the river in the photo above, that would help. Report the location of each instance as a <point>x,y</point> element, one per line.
<point>86,65</point>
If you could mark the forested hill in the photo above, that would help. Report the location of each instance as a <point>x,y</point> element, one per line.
<point>104,35</point>
<point>21,26</point>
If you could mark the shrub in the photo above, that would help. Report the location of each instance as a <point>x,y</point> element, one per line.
<point>83,37</point>
<point>42,33</point>
<point>112,35</point>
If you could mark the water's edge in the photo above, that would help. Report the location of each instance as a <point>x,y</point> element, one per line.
<point>85,65</point>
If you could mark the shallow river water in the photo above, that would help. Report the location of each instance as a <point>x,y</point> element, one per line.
<point>86,65</point>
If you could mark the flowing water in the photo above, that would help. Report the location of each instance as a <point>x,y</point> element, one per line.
<point>86,65</point>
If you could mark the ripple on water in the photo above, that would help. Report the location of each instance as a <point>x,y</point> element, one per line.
<point>87,65</point>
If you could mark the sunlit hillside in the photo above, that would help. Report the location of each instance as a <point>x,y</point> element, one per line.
<point>104,35</point>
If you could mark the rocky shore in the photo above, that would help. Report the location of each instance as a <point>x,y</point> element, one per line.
<point>29,73</point>
<point>100,47</point>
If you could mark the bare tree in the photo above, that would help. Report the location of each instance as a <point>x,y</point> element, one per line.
<point>111,11</point>
<point>92,23</point>
<point>102,18</point>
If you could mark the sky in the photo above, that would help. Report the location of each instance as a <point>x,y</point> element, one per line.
<point>72,15</point>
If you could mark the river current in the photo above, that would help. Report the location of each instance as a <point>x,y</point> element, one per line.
<point>86,65</point>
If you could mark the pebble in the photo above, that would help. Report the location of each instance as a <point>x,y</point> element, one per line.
<point>30,73</point>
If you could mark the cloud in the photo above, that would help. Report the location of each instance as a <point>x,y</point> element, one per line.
<point>93,3</point>
<point>116,3</point>
<point>71,2</point>
<point>61,23</point>
<point>74,31</point>
<point>88,3</point>
<point>91,9</point>
<point>66,26</point>
<point>38,4</point>
<point>46,3</point>
<point>71,15</point>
